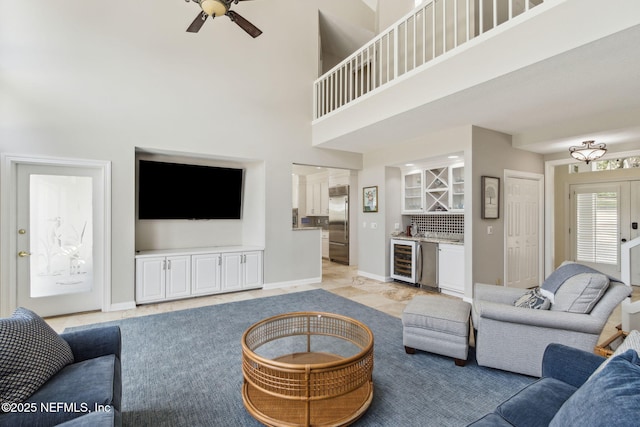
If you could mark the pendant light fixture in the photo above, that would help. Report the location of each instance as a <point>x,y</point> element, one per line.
<point>588,151</point>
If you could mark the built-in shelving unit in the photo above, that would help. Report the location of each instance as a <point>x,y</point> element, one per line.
<point>433,190</point>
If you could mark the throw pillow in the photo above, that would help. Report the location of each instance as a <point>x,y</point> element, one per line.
<point>30,353</point>
<point>631,342</point>
<point>533,299</point>
<point>580,293</point>
<point>610,398</point>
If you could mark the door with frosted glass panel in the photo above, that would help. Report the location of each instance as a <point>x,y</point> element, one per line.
<point>59,259</point>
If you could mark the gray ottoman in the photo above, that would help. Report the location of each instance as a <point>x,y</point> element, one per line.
<point>437,325</point>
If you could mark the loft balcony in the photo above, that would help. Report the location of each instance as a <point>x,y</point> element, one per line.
<point>459,62</point>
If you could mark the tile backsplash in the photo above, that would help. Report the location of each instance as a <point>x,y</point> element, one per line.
<point>450,224</point>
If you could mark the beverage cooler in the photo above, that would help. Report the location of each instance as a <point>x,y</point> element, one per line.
<point>403,260</point>
<point>415,263</point>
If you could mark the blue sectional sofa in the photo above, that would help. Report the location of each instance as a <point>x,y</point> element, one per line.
<point>570,392</point>
<point>86,392</point>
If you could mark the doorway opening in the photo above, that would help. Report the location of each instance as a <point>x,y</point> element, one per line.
<point>324,198</point>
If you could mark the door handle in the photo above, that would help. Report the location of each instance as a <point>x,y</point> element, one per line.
<point>624,240</point>
<point>23,254</point>
<point>346,222</point>
<point>419,263</point>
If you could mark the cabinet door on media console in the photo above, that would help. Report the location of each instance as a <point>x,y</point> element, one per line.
<point>232,271</point>
<point>150,279</point>
<point>178,276</point>
<point>205,274</point>
<point>252,269</point>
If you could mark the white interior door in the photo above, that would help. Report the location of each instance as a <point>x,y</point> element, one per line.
<point>60,238</point>
<point>523,230</point>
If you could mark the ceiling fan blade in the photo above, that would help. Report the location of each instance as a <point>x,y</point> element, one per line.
<point>251,29</point>
<point>197,23</point>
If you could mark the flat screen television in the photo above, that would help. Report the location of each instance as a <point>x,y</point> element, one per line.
<point>183,191</point>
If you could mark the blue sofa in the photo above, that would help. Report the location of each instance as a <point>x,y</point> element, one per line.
<point>85,393</point>
<point>568,394</point>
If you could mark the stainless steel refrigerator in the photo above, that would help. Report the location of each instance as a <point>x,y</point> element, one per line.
<point>339,224</point>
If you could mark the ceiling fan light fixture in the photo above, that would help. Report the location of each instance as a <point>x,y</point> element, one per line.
<point>213,7</point>
<point>588,151</point>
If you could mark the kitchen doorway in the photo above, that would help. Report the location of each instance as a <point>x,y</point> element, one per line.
<point>322,198</point>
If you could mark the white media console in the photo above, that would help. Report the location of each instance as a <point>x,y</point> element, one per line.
<point>163,275</point>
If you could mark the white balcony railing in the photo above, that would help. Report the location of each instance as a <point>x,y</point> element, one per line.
<point>433,28</point>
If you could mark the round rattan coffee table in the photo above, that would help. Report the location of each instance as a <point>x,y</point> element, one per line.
<point>307,368</point>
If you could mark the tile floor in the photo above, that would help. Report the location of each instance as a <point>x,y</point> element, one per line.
<point>390,297</point>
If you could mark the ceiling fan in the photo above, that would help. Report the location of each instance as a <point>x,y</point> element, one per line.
<point>214,8</point>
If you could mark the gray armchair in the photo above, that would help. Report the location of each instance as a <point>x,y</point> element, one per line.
<point>514,339</point>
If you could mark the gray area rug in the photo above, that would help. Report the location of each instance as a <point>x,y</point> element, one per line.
<point>183,368</point>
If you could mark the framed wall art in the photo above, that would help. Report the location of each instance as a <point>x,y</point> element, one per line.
<point>370,199</point>
<point>490,197</point>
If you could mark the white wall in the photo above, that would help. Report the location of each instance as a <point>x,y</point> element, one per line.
<point>81,80</point>
<point>389,11</point>
<point>372,241</point>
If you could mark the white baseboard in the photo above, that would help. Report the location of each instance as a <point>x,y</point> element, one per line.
<point>374,276</point>
<point>121,306</point>
<point>276,285</point>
